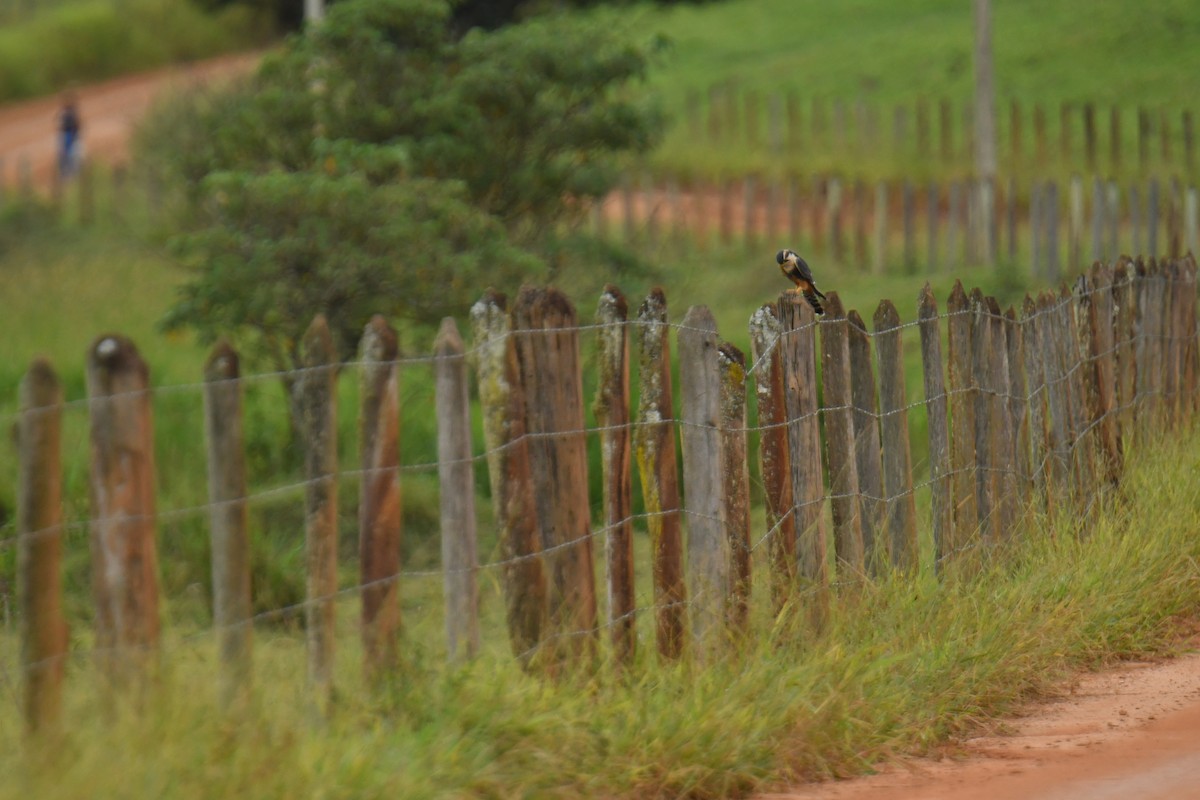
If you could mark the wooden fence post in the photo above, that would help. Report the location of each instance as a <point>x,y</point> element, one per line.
<point>901,510</point>
<point>1152,219</point>
<point>316,397</point>
<point>908,213</point>
<point>123,546</point>
<point>707,545</point>
<point>654,445</point>
<point>39,549</point>
<point>379,499</point>
<point>962,418</point>
<point>1050,231</point>
<point>1114,140</point>
<point>1097,219</point>
<point>1125,342</point>
<point>984,394</point>
<point>232,610</point>
<point>502,399</point>
<point>868,456</point>
<point>1018,494</point>
<point>765,338</point>
<point>1082,385</point>
<point>954,234</point>
<point>548,353</point>
<point>612,416</point>
<point>1049,335</point>
<point>940,464</point>
<point>798,353</point>
<point>1003,451</point>
<point>837,406</point>
<point>456,481</point>
<point>1103,355</point>
<point>1036,389</point>
<point>735,479</point>
<point>1075,230</point>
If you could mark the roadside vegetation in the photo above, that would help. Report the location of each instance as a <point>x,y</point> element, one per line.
<point>84,41</point>
<point>907,663</point>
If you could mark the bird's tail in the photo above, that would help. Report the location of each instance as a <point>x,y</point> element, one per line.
<point>811,296</point>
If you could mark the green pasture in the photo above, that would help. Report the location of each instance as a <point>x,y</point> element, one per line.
<point>1123,53</point>
<point>69,43</point>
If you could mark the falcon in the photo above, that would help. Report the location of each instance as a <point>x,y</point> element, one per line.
<point>797,271</point>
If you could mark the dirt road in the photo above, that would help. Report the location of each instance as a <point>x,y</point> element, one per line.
<point>109,112</point>
<point>1125,733</point>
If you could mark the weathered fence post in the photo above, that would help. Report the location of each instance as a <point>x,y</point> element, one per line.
<point>502,399</point>
<point>703,492</point>
<point>39,549</point>
<point>933,219</point>
<point>735,480</point>
<point>940,464</point>
<point>1051,333</point>
<point>315,397</point>
<point>1032,321</point>
<point>962,418</point>
<point>765,337</point>
<point>456,481</point>
<point>548,353</point>
<point>1125,343</point>
<point>1082,386</point>
<point>837,405</point>
<point>1017,495</point>
<point>1103,355</point>
<point>799,357</point>
<point>123,546</point>
<point>984,392</point>
<point>900,510</point>
<point>612,416</point>
<point>654,444</point>
<point>379,502</point>
<point>232,609</point>
<point>867,452</point>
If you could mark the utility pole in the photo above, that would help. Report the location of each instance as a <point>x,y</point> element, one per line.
<point>314,11</point>
<point>985,93</point>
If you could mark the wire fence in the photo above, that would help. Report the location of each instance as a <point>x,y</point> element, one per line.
<point>1028,411</point>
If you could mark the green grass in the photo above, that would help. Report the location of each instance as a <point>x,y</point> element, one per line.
<point>904,666</point>
<point>90,40</point>
<point>1122,53</point>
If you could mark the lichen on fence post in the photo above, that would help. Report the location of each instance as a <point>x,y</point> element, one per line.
<point>379,503</point>
<point>654,445</point>
<point>612,416</point>
<point>774,458</point>
<point>38,433</point>
<point>315,398</point>
<point>123,522</point>
<point>232,610</point>
<point>456,481</point>
<point>1036,390</point>
<point>502,399</point>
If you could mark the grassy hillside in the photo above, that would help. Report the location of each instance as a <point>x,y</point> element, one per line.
<point>89,40</point>
<point>1122,53</point>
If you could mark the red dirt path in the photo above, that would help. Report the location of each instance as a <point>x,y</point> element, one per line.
<point>1126,733</point>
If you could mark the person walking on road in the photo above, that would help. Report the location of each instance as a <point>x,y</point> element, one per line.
<point>69,128</point>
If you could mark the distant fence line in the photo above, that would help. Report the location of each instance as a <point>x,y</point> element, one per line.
<point>1029,410</point>
<point>924,226</point>
<point>1074,136</point>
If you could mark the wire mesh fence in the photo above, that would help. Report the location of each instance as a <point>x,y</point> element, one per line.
<point>1026,411</point>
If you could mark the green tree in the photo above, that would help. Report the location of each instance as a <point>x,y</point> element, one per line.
<point>382,164</point>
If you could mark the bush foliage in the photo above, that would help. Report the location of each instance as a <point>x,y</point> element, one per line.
<point>381,164</point>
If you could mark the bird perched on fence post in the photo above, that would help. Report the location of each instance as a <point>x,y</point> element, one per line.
<point>797,271</point>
